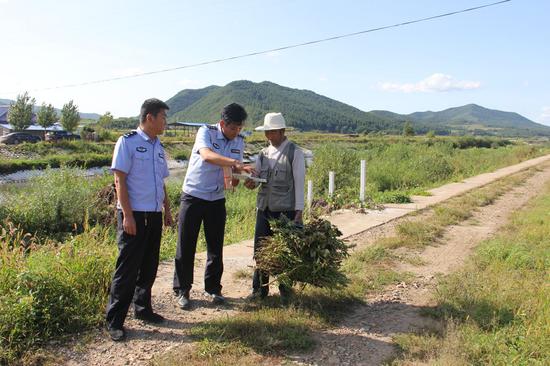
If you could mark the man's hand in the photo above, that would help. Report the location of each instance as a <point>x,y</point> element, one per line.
<point>249,169</point>
<point>168,220</point>
<point>250,184</point>
<point>129,225</point>
<point>298,217</point>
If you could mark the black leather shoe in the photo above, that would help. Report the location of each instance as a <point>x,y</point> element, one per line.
<point>116,334</point>
<point>217,299</point>
<point>151,317</point>
<point>183,301</point>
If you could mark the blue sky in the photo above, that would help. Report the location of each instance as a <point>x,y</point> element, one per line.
<point>497,57</point>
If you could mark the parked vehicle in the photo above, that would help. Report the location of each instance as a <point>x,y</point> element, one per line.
<point>61,135</point>
<point>19,137</point>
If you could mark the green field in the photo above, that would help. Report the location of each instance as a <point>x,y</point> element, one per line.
<point>57,244</point>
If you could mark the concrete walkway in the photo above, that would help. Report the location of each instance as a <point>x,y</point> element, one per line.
<point>238,256</point>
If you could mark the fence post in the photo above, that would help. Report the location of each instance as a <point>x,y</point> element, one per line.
<point>309,193</point>
<point>363,180</point>
<point>330,184</point>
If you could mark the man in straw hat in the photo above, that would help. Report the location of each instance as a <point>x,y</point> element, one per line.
<point>282,165</point>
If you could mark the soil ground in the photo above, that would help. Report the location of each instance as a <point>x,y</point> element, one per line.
<point>363,338</point>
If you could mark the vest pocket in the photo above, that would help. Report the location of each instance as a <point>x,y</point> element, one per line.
<point>279,177</point>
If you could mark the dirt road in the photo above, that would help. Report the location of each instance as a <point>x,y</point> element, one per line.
<point>365,337</point>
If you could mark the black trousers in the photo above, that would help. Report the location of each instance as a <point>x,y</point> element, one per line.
<point>136,267</point>
<point>261,279</point>
<point>193,212</point>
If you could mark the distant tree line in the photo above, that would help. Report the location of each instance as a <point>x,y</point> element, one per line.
<point>20,114</point>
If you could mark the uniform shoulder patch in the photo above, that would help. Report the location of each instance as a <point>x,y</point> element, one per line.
<point>130,134</point>
<point>212,127</point>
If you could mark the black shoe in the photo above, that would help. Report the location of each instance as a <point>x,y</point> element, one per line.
<point>216,298</point>
<point>151,317</point>
<point>183,301</point>
<point>116,334</point>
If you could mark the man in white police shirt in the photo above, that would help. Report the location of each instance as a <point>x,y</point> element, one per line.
<point>202,201</point>
<point>139,166</point>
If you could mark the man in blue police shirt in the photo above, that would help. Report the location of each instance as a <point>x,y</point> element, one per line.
<point>216,146</point>
<point>139,166</point>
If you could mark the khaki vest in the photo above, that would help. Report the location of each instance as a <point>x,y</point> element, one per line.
<point>278,194</point>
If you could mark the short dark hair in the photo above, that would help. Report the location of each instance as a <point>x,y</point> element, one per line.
<point>153,106</point>
<point>234,114</point>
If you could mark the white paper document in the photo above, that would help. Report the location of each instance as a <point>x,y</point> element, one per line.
<point>245,176</point>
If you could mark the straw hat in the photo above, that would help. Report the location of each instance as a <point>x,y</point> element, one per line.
<point>272,121</point>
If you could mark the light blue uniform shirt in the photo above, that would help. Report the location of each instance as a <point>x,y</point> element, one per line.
<point>204,180</point>
<point>143,160</point>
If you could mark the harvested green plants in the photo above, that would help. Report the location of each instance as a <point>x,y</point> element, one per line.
<point>311,255</point>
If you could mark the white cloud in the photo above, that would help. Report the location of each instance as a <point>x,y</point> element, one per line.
<point>323,78</point>
<point>435,83</point>
<point>545,116</point>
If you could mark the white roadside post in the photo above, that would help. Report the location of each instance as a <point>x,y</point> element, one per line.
<point>330,184</point>
<point>363,181</point>
<point>309,193</point>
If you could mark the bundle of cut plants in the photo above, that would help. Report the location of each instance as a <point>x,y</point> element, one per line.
<point>311,254</point>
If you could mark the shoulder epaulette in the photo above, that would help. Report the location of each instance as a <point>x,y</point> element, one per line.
<point>130,134</point>
<point>212,127</point>
<point>241,136</point>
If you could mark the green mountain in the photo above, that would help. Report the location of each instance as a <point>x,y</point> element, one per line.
<point>303,109</point>
<point>186,97</point>
<point>471,118</point>
<point>307,110</point>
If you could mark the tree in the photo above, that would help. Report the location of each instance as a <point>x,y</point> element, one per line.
<point>430,134</point>
<point>20,112</point>
<point>70,116</point>
<point>106,120</point>
<point>46,116</point>
<point>408,129</point>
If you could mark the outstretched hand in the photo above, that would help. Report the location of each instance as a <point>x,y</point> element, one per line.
<point>249,169</point>
<point>250,184</point>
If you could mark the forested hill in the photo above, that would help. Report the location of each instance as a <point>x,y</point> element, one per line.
<point>472,118</point>
<point>302,109</point>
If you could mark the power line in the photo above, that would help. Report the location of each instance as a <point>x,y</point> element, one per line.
<point>272,49</point>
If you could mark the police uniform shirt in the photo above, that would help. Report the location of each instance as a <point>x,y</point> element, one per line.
<point>144,162</point>
<point>205,180</point>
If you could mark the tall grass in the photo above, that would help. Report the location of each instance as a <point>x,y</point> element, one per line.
<point>497,308</point>
<point>48,291</point>
<point>60,201</point>
<point>403,168</point>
